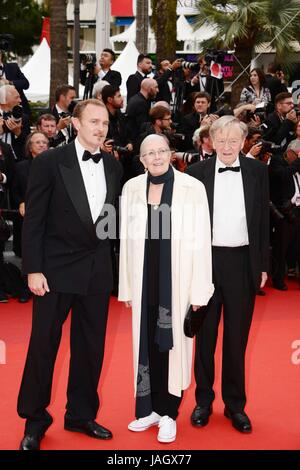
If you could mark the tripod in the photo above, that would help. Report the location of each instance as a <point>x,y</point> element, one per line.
<point>89,84</point>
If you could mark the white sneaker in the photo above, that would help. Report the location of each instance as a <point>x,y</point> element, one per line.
<point>142,424</point>
<point>167,429</point>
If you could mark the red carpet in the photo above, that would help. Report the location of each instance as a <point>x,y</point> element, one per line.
<point>273,385</point>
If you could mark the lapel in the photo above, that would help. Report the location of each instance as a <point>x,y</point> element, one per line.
<point>209,182</point>
<point>73,181</point>
<point>110,184</point>
<point>249,188</point>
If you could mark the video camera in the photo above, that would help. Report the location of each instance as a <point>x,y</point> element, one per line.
<point>215,55</point>
<point>267,146</point>
<point>261,110</point>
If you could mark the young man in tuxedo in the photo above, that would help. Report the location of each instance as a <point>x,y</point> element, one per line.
<point>68,267</point>
<point>238,198</point>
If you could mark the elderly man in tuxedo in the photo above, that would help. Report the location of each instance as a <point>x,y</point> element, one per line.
<point>69,268</point>
<point>238,198</point>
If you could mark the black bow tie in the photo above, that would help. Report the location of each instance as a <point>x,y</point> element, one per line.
<point>229,168</point>
<point>96,157</point>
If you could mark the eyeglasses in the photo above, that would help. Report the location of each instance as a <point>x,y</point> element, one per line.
<point>231,142</point>
<point>160,152</point>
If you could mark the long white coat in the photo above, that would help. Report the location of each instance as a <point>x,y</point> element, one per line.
<point>191,264</point>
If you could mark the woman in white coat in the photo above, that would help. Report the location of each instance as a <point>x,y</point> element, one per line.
<point>165,266</point>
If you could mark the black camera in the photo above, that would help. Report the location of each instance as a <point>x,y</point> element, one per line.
<point>214,55</point>
<point>267,146</point>
<point>297,110</point>
<point>188,157</point>
<point>64,115</point>
<point>6,41</point>
<point>120,149</point>
<point>15,114</point>
<point>189,65</point>
<point>89,60</point>
<point>57,140</point>
<point>287,209</point>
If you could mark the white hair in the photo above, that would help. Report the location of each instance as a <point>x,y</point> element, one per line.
<point>98,87</point>
<point>5,92</point>
<point>153,137</point>
<point>225,123</point>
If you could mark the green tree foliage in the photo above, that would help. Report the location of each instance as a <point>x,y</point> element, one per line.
<point>23,19</point>
<point>164,25</point>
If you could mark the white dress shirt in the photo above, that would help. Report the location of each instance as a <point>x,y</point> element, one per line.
<point>94,181</point>
<point>229,217</point>
<point>296,198</point>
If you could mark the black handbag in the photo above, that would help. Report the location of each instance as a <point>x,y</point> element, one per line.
<point>5,231</point>
<point>193,321</point>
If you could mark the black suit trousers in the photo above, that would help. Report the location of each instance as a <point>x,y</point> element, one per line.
<point>235,293</point>
<point>87,338</point>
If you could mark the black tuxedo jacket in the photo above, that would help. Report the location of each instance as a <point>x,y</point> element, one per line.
<point>59,236</point>
<point>277,131</point>
<point>190,122</point>
<point>213,86</point>
<point>13,74</point>
<point>20,181</point>
<point>282,186</point>
<point>164,93</point>
<point>113,77</point>
<point>133,84</point>
<point>256,193</point>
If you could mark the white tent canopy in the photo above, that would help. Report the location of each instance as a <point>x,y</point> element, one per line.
<point>37,71</point>
<point>126,64</point>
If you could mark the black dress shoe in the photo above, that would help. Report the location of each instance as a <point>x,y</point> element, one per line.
<point>200,415</point>
<point>261,293</point>
<point>30,442</point>
<point>91,428</point>
<point>240,421</point>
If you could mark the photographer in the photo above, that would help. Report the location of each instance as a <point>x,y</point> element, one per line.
<point>285,195</point>
<point>144,68</point>
<point>165,80</point>
<point>273,82</point>
<point>280,125</point>
<point>10,74</point>
<point>64,102</point>
<point>117,136</point>
<point>203,80</point>
<point>203,143</point>
<point>101,70</point>
<point>14,125</point>
<point>198,118</point>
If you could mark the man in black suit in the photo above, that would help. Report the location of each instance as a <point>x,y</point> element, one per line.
<point>10,74</point>
<point>62,111</point>
<point>203,81</point>
<point>199,117</point>
<point>67,258</point>
<point>138,109</point>
<point>165,79</point>
<point>144,67</point>
<point>238,197</point>
<point>102,70</point>
<point>280,125</point>
<point>273,83</point>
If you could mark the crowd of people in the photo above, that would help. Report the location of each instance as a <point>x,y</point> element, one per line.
<point>176,145</point>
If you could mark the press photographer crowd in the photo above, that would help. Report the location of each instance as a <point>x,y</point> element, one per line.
<point>179,100</point>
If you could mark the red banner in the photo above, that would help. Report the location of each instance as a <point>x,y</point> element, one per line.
<point>46,30</point>
<point>121,8</point>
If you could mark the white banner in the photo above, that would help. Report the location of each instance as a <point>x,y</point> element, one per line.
<point>184,7</point>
